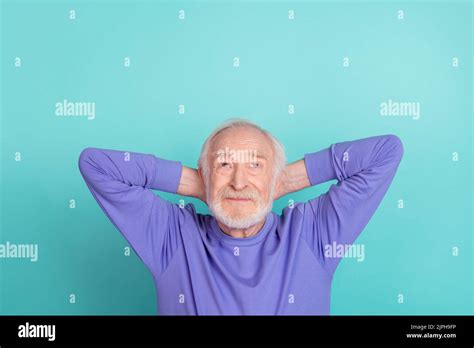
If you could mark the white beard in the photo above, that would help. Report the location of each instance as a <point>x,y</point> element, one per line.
<point>263,209</point>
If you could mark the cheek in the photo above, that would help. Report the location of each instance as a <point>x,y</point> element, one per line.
<point>215,188</point>
<point>263,188</point>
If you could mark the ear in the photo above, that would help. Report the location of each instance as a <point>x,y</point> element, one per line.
<point>200,173</point>
<point>202,189</point>
<point>277,193</point>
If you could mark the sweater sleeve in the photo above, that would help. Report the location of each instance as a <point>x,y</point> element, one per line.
<point>121,183</point>
<point>364,170</point>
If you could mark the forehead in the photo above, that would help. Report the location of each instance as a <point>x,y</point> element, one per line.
<point>242,138</point>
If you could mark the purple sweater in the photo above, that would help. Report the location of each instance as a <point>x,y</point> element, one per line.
<point>283,269</point>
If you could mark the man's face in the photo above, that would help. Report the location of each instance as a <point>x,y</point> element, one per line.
<point>240,187</point>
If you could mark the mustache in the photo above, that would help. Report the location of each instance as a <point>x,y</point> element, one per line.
<point>226,193</point>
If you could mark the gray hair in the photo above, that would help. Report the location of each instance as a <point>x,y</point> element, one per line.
<point>278,149</point>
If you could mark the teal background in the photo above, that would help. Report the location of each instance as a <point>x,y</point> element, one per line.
<point>407,251</point>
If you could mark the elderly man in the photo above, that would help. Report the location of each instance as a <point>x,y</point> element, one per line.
<point>242,259</point>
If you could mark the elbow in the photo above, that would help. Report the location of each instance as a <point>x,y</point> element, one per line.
<point>396,146</point>
<point>84,158</point>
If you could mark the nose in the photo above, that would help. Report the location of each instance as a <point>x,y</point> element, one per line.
<point>239,177</point>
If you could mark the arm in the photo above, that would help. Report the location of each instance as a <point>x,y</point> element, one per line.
<point>364,170</point>
<point>121,183</point>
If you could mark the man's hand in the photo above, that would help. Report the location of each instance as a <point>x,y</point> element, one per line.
<point>191,184</point>
<point>293,178</point>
